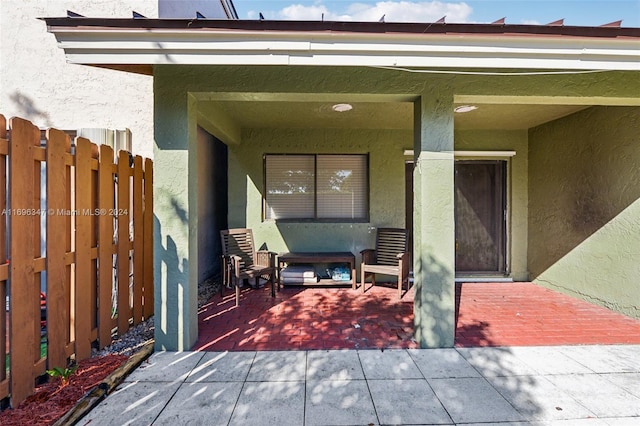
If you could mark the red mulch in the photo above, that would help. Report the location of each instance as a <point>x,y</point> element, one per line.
<point>51,401</point>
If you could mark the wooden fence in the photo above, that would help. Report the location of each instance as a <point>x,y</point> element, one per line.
<point>93,263</point>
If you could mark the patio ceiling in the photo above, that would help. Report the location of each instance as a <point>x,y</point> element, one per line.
<point>380,115</point>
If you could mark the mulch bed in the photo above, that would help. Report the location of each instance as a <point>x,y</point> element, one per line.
<point>51,400</point>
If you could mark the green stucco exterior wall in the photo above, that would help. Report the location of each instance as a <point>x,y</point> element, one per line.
<point>386,180</point>
<point>584,206</point>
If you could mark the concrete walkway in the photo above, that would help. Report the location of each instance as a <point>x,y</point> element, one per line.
<point>564,385</point>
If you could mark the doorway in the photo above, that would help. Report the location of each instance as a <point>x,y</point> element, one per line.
<point>480,215</point>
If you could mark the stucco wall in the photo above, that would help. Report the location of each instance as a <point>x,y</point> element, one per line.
<point>517,187</point>
<point>36,83</point>
<point>584,214</point>
<point>386,177</point>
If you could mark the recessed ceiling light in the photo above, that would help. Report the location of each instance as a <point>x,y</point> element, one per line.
<point>342,107</point>
<point>464,108</point>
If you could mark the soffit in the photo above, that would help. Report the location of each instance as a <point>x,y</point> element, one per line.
<point>382,115</point>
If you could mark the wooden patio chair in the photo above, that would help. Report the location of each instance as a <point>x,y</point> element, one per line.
<point>390,257</point>
<point>241,261</point>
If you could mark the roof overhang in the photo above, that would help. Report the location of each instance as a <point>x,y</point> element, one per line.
<point>128,43</point>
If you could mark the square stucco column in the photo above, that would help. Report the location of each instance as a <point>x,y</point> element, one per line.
<point>434,223</point>
<point>175,229</point>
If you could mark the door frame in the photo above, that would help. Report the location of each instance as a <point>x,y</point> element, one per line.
<point>501,218</point>
<point>469,156</point>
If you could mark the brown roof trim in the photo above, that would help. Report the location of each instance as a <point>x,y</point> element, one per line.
<point>346,27</point>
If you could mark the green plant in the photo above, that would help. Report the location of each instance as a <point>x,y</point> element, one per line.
<point>64,374</point>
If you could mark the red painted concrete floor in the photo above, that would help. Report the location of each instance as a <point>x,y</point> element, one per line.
<point>488,314</point>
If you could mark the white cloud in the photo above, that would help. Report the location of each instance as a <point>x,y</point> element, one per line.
<point>298,12</point>
<point>394,11</point>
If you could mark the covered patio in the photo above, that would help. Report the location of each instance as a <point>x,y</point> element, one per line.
<point>487,314</point>
<point>508,151</point>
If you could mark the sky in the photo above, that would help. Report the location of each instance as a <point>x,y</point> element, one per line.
<point>539,12</point>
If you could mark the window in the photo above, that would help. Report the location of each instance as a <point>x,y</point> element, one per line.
<point>323,187</point>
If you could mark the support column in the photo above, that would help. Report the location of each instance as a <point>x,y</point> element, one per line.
<point>434,221</point>
<point>175,229</point>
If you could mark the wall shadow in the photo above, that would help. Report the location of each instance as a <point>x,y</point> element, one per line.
<point>27,108</point>
<point>580,180</point>
<point>174,285</point>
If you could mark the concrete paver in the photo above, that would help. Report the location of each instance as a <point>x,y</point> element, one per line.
<point>270,404</point>
<point>133,403</point>
<point>339,402</point>
<point>334,365</point>
<point>537,398</point>
<point>166,367</point>
<point>598,394</point>
<point>202,404</point>
<point>442,364</point>
<point>222,367</point>
<point>473,399</point>
<point>391,364</point>
<point>552,385</point>
<point>409,401</point>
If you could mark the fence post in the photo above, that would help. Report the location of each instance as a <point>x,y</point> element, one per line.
<point>58,247</point>
<point>24,290</point>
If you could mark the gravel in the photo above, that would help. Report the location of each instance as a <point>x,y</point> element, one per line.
<point>133,340</point>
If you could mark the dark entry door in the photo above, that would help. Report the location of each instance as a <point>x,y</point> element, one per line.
<point>480,214</point>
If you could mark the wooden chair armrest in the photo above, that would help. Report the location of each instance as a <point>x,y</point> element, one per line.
<point>236,261</point>
<point>368,256</point>
<point>403,256</point>
<point>403,263</point>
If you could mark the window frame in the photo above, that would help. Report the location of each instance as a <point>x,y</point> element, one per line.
<point>316,219</point>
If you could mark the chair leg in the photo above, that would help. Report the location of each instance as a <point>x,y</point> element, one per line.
<point>273,285</point>
<point>363,276</point>
<point>400,286</point>
<point>237,294</point>
<point>223,265</point>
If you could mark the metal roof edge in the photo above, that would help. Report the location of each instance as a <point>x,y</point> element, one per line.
<point>344,27</point>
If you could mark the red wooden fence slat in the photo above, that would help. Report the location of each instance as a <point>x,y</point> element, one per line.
<point>82,318</point>
<point>124,310</point>
<point>58,245</point>
<point>105,243</point>
<point>138,243</point>
<point>4,383</point>
<point>93,236</point>
<point>24,137</point>
<point>148,239</point>
<point>38,155</point>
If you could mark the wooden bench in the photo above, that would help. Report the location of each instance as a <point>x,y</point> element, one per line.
<point>319,257</point>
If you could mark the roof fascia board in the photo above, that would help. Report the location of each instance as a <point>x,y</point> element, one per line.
<point>108,45</point>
